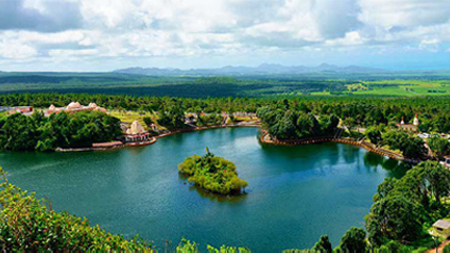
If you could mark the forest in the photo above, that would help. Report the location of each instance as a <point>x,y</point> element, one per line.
<point>326,83</point>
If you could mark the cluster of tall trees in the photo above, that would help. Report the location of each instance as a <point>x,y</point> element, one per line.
<point>283,123</point>
<point>410,145</point>
<point>403,206</point>
<point>439,146</point>
<point>209,119</point>
<point>172,115</point>
<point>354,240</point>
<point>37,132</point>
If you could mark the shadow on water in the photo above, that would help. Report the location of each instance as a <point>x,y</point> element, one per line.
<point>394,167</point>
<point>311,156</point>
<point>229,199</point>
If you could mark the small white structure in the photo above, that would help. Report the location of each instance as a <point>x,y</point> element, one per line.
<point>136,133</point>
<point>416,120</point>
<point>424,135</point>
<point>441,228</point>
<point>75,107</point>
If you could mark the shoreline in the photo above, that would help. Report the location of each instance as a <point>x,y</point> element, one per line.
<point>155,138</point>
<point>265,138</point>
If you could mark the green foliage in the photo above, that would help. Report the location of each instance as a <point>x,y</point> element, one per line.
<point>395,218</point>
<point>212,173</point>
<point>187,246</point>
<point>402,206</point>
<point>323,245</point>
<point>354,111</point>
<point>285,123</point>
<point>209,120</point>
<point>81,129</point>
<point>172,116</point>
<point>440,146</point>
<point>393,246</point>
<point>354,240</point>
<point>227,249</point>
<point>411,146</point>
<point>148,121</point>
<point>374,134</point>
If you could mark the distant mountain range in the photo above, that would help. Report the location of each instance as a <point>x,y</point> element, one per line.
<point>263,69</point>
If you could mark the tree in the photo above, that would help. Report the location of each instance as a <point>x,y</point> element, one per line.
<point>411,146</point>
<point>374,135</point>
<point>323,245</point>
<point>385,188</point>
<point>172,117</point>
<point>148,121</point>
<point>440,146</point>
<point>426,182</point>
<point>354,240</point>
<point>21,133</point>
<point>394,218</point>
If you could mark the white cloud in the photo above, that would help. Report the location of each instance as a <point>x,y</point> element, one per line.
<point>71,53</point>
<point>171,28</point>
<point>16,50</point>
<point>350,39</point>
<point>388,14</point>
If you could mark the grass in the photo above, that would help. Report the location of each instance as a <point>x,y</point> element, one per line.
<point>129,117</point>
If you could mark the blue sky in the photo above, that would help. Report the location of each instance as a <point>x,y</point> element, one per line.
<point>103,35</point>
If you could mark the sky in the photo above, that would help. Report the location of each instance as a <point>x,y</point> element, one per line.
<point>103,35</point>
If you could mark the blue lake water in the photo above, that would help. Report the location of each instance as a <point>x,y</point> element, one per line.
<point>295,194</point>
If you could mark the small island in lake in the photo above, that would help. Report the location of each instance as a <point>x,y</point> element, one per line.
<point>212,173</point>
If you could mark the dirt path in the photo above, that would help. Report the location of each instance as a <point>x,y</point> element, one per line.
<point>440,248</point>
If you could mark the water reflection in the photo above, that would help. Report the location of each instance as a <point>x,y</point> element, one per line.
<point>231,199</point>
<point>394,167</point>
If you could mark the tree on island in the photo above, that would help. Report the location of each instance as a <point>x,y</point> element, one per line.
<point>212,173</point>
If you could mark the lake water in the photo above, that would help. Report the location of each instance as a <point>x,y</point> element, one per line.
<point>295,194</point>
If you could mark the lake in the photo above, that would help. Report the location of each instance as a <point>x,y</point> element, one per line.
<point>295,194</point>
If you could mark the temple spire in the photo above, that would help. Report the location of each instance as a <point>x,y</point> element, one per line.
<point>416,120</point>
